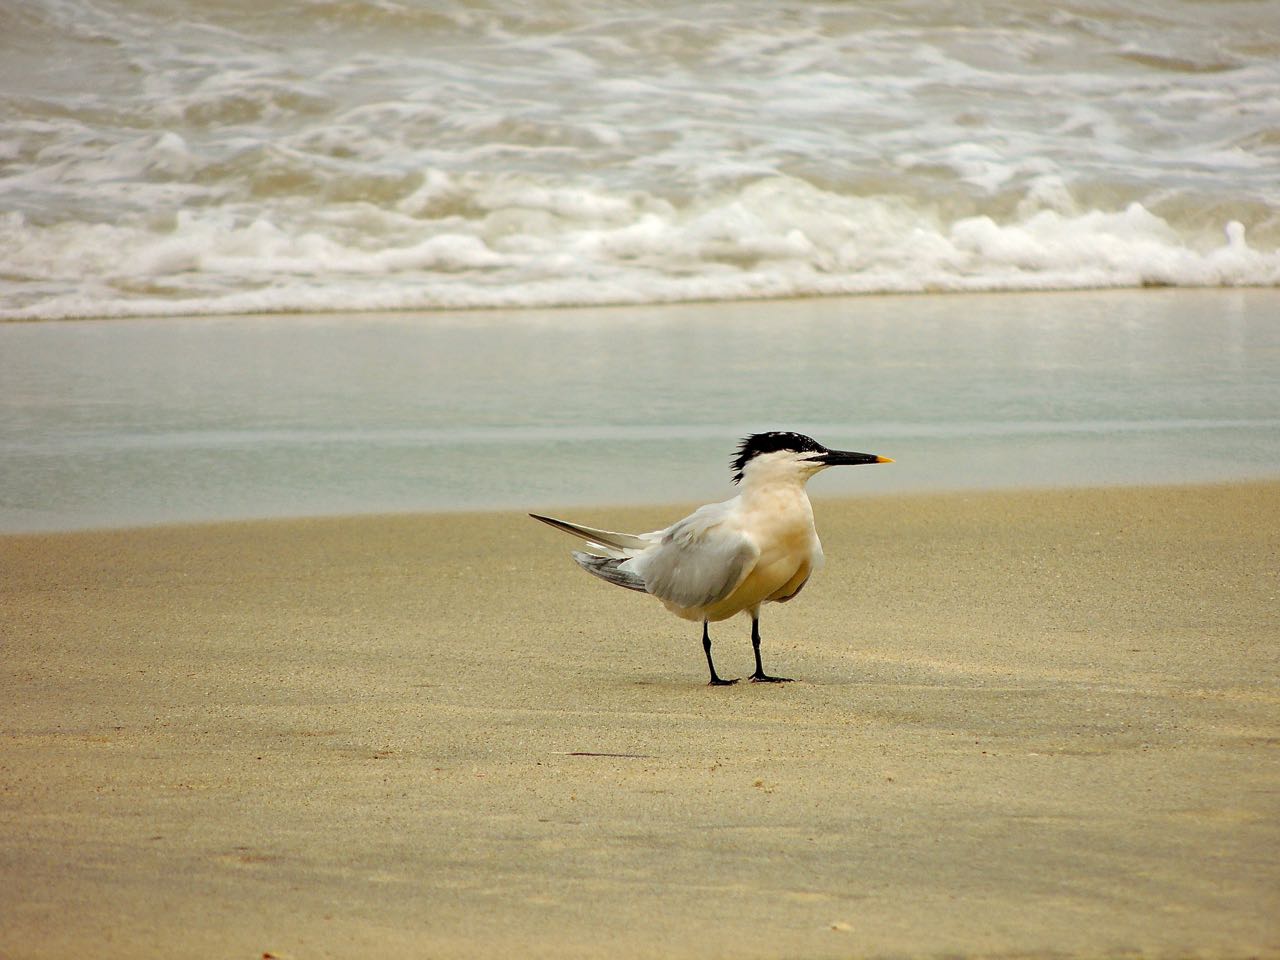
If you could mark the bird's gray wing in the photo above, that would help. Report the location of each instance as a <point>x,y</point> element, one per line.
<point>605,543</point>
<point>699,560</point>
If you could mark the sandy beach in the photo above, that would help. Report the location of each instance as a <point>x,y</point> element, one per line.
<point>1039,723</point>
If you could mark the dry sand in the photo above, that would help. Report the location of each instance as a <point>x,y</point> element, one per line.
<point>1031,723</point>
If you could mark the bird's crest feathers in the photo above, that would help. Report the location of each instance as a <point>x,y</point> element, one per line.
<point>771,442</point>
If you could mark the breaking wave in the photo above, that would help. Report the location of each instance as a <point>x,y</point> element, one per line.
<point>401,156</point>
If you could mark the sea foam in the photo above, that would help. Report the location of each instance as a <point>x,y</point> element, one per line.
<point>531,245</point>
<point>385,156</point>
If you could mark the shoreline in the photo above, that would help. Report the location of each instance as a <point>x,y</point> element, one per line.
<point>671,507</point>
<point>150,422</point>
<point>620,306</point>
<point>1034,723</point>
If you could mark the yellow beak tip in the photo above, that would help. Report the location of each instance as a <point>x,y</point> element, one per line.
<point>883,460</point>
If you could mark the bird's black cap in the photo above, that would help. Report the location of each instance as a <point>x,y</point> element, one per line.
<point>771,442</point>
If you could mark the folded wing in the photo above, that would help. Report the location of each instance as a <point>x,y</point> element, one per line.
<point>699,560</point>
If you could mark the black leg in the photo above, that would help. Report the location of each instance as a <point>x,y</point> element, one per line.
<point>760,676</point>
<point>706,646</point>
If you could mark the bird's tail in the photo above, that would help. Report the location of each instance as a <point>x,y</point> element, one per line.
<point>607,568</point>
<point>602,543</point>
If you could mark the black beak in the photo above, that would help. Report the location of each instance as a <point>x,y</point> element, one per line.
<point>847,458</point>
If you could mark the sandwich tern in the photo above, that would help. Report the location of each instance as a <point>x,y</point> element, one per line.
<point>731,557</point>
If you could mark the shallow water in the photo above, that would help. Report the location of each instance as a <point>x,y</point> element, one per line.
<point>141,421</point>
<point>338,155</point>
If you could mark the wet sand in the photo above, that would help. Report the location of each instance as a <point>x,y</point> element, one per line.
<point>1040,723</point>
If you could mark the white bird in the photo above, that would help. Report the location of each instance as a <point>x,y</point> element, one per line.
<point>731,557</point>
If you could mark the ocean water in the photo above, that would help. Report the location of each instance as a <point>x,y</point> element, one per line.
<point>189,158</point>
<point>310,221</point>
<point>176,419</point>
